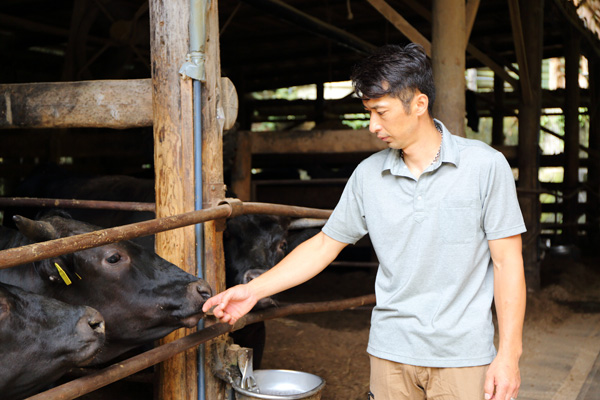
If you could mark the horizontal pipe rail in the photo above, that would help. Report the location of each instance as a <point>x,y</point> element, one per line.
<point>115,372</point>
<point>229,208</point>
<point>72,203</point>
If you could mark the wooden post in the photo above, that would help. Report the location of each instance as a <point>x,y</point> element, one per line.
<point>448,57</point>
<point>593,203</point>
<point>174,170</point>
<point>498,112</point>
<point>242,167</point>
<point>529,130</point>
<point>212,178</point>
<point>571,111</point>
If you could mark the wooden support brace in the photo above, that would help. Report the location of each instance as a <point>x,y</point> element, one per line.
<point>401,24</point>
<point>472,7</point>
<point>519,39</point>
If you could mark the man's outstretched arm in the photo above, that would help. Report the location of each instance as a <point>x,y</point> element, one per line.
<point>303,263</point>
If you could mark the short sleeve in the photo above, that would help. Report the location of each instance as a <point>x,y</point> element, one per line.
<point>501,212</point>
<point>347,222</point>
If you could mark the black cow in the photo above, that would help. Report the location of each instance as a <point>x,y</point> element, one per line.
<point>142,296</point>
<point>252,243</point>
<point>41,339</point>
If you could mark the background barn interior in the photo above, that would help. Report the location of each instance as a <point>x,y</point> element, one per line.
<point>298,133</point>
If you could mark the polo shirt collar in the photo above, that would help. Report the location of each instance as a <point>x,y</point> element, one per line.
<point>448,154</point>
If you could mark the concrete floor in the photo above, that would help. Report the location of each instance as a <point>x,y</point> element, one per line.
<point>562,362</point>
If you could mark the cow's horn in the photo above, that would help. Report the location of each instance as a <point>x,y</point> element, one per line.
<point>37,231</point>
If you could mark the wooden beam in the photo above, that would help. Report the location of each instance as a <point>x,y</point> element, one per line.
<point>497,68</point>
<point>115,104</point>
<point>401,24</point>
<point>528,149</point>
<point>594,146</point>
<point>569,11</point>
<point>471,49</point>
<point>313,24</point>
<point>497,112</point>
<point>306,142</point>
<point>519,40</point>
<point>471,9</point>
<point>174,171</point>
<point>571,113</point>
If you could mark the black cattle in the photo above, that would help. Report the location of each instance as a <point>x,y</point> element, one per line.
<point>41,339</point>
<point>142,296</point>
<point>252,243</point>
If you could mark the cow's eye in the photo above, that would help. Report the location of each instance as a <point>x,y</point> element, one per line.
<point>283,245</point>
<point>114,258</point>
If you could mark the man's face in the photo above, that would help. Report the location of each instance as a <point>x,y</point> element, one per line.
<point>391,122</point>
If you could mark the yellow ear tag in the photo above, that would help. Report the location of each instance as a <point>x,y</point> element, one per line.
<point>78,275</point>
<point>63,274</point>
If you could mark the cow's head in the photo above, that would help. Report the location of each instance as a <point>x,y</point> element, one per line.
<point>142,296</point>
<point>253,244</point>
<point>42,338</point>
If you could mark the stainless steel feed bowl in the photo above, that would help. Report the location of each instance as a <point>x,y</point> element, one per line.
<point>280,384</point>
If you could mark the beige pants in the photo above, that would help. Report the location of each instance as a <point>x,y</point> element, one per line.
<point>394,381</point>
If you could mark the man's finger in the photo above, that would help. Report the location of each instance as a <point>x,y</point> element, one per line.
<point>488,388</point>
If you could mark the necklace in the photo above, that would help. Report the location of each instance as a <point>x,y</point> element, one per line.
<point>437,156</point>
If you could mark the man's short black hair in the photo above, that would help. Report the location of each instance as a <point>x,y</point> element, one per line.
<point>396,71</point>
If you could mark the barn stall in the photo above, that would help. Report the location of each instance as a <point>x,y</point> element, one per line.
<point>118,63</point>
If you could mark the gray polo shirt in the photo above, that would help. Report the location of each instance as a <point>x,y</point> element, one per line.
<point>434,284</point>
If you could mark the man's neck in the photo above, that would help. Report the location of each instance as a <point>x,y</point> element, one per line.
<point>423,152</point>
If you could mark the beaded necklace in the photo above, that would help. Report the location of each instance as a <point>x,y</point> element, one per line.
<point>437,156</point>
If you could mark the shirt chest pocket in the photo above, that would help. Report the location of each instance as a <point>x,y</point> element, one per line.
<point>458,221</point>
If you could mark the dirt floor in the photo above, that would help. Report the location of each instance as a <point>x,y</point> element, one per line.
<point>561,335</point>
<point>561,338</point>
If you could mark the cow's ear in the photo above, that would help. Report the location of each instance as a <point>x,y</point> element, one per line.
<point>38,231</point>
<point>50,270</point>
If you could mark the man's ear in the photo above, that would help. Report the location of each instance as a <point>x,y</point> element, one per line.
<point>420,103</point>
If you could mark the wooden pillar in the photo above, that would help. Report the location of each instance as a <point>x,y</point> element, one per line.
<point>213,183</point>
<point>498,112</point>
<point>174,170</point>
<point>529,131</point>
<point>241,172</point>
<point>448,58</point>
<point>593,202</point>
<point>571,111</point>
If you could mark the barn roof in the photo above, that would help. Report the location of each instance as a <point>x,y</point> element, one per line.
<point>265,44</point>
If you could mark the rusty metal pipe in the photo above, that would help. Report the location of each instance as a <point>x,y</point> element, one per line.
<point>231,207</point>
<point>115,372</point>
<point>72,203</point>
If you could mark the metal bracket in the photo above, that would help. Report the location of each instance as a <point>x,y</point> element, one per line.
<point>229,361</point>
<point>237,206</point>
<point>194,66</point>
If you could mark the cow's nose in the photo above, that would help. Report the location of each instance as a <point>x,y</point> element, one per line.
<point>203,289</point>
<point>94,320</point>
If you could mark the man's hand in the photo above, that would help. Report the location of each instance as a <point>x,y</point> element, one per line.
<point>502,380</point>
<point>232,304</point>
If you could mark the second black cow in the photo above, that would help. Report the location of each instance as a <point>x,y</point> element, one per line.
<point>41,339</point>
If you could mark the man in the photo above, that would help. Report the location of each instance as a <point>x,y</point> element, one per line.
<point>444,220</point>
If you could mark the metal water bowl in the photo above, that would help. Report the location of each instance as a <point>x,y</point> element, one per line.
<point>280,384</point>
